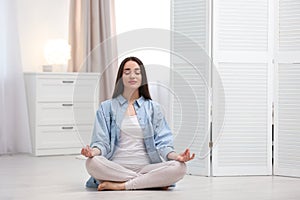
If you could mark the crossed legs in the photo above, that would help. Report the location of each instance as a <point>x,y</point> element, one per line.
<point>116,177</point>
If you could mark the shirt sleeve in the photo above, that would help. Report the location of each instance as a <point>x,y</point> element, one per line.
<point>101,132</point>
<point>162,133</point>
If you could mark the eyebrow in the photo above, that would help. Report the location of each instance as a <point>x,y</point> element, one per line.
<point>135,69</point>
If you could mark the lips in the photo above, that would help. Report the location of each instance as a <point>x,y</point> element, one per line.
<point>132,82</point>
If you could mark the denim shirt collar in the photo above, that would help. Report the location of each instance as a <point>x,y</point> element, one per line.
<point>139,101</point>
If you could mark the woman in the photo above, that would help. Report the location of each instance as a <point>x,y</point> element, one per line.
<point>131,145</point>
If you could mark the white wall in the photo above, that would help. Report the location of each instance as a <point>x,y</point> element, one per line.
<point>135,14</point>
<point>141,14</point>
<point>38,21</point>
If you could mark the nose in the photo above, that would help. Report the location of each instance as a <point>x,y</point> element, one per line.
<point>132,75</point>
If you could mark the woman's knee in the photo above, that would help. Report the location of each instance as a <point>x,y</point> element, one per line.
<point>179,169</point>
<point>93,164</point>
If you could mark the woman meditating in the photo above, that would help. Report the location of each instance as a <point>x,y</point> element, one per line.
<point>132,144</point>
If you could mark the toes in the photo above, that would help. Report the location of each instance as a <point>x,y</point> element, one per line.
<point>101,186</point>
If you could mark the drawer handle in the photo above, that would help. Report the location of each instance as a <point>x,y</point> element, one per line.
<point>67,104</point>
<point>67,81</point>
<point>67,127</point>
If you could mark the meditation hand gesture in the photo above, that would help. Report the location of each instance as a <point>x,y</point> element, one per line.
<point>183,157</point>
<point>90,152</point>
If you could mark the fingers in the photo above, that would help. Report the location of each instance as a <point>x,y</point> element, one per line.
<point>185,152</point>
<point>84,152</point>
<point>87,151</point>
<point>186,156</point>
<point>193,156</point>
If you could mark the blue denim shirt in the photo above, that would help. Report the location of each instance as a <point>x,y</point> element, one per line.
<point>158,138</point>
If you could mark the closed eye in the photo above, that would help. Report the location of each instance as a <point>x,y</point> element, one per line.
<point>128,71</point>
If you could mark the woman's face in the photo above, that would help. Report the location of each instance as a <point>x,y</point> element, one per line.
<point>132,77</point>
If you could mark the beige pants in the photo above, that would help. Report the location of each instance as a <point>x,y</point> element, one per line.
<point>150,176</point>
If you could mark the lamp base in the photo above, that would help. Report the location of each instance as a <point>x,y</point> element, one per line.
<point>54,68</point>
<point>47,68</point>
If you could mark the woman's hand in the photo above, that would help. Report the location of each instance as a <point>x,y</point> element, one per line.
<point>183,157</point>
<point>90,152</point>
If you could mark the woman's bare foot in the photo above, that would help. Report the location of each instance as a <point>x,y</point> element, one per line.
<point>107,185</point>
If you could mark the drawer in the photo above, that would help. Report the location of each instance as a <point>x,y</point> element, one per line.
<point>66,113</point>
<point>49,137</point>
<point>67,89</point>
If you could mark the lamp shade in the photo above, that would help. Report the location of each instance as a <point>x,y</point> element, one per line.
<point>57,52</point>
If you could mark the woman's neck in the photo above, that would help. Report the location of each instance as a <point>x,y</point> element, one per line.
<point>131,96</point>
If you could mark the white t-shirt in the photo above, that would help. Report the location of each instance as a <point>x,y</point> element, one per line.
<point>131,152</point>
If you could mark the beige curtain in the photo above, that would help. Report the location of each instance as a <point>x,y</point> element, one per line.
<point>93,42</point>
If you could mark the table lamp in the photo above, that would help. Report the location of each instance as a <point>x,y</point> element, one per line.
<point>57,52</point>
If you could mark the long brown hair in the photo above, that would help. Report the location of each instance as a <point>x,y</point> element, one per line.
<point>119,86</point>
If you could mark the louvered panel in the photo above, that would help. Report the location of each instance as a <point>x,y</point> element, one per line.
<point>190,111</point>
<point>190,80</point>
<point>289,26</point>
<point>241,90</point>
<point>242,25</point>
<point>241,146</point>
<point>287,134</point>
<point>190,19</point>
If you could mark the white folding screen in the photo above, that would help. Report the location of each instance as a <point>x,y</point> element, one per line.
<point>242,54</point>
<point>287,76</point>
<point>191,80</point>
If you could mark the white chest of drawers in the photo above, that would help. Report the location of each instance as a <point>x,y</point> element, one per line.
<point>62,109</point>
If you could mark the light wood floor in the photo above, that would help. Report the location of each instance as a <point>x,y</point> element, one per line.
<point>63,177</point>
